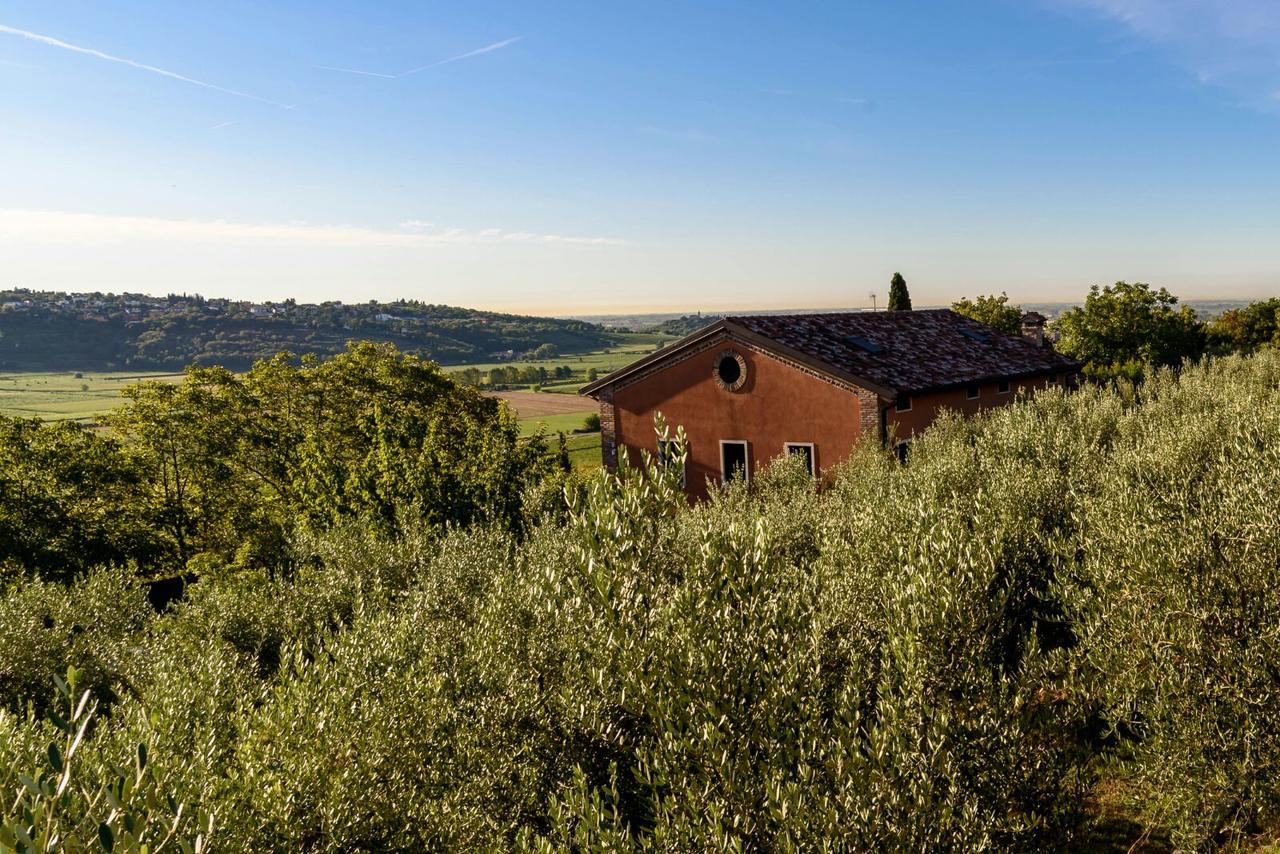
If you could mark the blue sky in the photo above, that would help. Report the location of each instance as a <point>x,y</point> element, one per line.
<point>587,157</point>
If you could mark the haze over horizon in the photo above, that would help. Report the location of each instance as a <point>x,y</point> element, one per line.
<point>587,160</point>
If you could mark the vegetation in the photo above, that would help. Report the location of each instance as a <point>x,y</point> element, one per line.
<point>899,298</point>
<point>49,331</point>
<point>992,310</point>
<point>222,468</point>
<point>1246,329</point>
<point>1122,329</point>
<point>948,654</point>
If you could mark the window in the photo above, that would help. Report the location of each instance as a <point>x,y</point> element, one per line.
<point>802,449</point>
<point>730,370</point>
<point>903,450</point>
<point>668,452</point>
<point>973,392</point>
<point>1003,388</point>
<point>1053,379</point>
<point>903,403</point>
<point>733,460</point>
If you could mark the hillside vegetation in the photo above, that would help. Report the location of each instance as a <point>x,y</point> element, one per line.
<point>1056,625</point>
<point>106,332</point>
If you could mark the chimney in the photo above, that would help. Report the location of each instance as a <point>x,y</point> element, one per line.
<point>1033,327</point>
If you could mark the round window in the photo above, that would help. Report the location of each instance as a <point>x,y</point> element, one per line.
<point>730,370</point>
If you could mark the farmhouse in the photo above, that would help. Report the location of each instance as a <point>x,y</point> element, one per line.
<point>747,389</point>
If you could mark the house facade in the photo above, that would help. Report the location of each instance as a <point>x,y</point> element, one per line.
<point>748,389</point>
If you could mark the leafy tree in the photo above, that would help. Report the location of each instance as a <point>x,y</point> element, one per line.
<point>236,462</point>
<point>992,310</point>
<point>899,298</point>
<point>546,351</point>
<point>70,499</point>
<point>1246,329</point>
<point>1125,327</point>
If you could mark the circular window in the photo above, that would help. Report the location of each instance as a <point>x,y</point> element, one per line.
<point>730,370</point>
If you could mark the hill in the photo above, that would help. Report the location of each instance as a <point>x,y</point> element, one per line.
<point>53,331</point>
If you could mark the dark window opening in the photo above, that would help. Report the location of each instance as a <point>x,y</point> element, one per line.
<point>903,403</point>
<point>728,370</point>
<point>974,391</point>
<point>733,460</point>
<point>903,450</point>
<point>802,450</point>
<point>1053,379</point>
<point>1003,388</point>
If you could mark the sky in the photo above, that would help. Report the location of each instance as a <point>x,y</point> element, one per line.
<point>578,158</point>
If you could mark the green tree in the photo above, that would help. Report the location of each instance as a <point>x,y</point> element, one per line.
<point>899,298</point>
<point>1123,328</point>
<point>1246,329</point>
<point>70,499</point>
<point>992,310</point>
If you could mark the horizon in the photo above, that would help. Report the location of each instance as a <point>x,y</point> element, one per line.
<point>584,161</point>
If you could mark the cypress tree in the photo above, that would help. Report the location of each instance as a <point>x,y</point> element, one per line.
<point>899,299</point>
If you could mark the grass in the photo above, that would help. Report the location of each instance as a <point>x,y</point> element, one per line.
<point>62,395</point>
<point>603,361</point>
<point>584,450</point>
<point>565,423</point>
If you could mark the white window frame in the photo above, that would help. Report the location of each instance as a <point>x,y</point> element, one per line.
<point>1008,387</point>
<point>746,458</point>
<point>813,454</point>
<point>976,389</point>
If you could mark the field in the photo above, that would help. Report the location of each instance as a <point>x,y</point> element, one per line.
<point>630,347</point>
<point>67,395</point>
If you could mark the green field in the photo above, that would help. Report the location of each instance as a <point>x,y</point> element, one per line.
<point>630,348</point>
<point>84,397</point>
<point>65,395</point>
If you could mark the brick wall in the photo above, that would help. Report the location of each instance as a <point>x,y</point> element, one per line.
<point>608,429</point>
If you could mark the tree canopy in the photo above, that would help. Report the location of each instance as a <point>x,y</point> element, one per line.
<point>899,298</point>
<point>1124,328</point>
<point>992,310</point>
<point>1247,329</point>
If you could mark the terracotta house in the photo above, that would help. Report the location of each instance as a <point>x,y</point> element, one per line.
<point>747,389</point>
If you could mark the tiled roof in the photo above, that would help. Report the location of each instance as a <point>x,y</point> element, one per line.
<point>907,351</point>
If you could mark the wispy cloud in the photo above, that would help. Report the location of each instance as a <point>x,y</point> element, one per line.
<point>489,48</point>
<point>64,227</point>
<point>1230,43</point>
<point>225,124</point>
<point>151,69</point>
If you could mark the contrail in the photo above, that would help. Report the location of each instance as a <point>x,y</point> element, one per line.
<point>467,55</point>
<point>97,54</point>
<point>356,71</point>
<point>486,49</point>
<point>226,124</point>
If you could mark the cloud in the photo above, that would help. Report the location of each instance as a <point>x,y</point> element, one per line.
<point>1229,43</point>
<point>225,124</point>
<point>151,69</point>
<point>64,227</point>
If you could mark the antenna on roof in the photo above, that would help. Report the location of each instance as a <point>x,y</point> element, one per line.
<point>873,300</point>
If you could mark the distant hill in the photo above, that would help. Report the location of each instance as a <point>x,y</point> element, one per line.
<point>682,326</point>
<point>50,331</point>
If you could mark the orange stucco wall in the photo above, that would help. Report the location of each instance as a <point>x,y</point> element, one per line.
<point>777,404</point>
<point>925,408</point>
